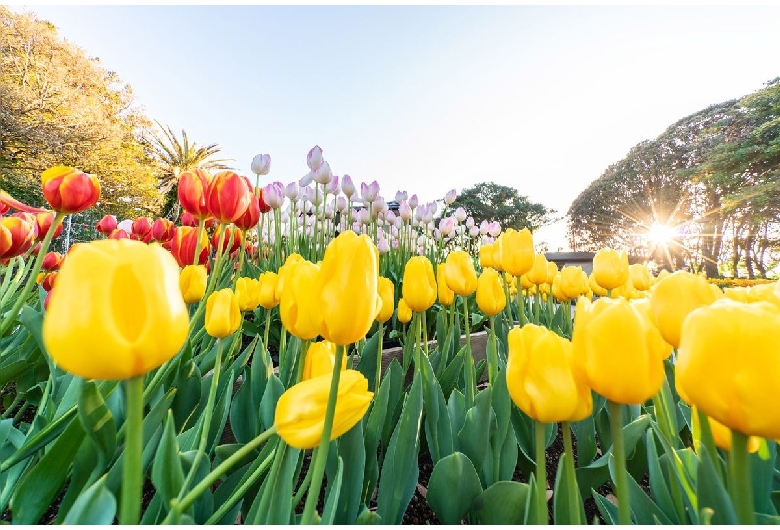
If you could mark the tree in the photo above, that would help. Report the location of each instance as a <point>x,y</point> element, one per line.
<point>173,157</point>
<point>488,201</point>
<point>58,106</point>
<point>713,177</point>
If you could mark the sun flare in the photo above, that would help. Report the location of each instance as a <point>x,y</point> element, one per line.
<point>660,234</point>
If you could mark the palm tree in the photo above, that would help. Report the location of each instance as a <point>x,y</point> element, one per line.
<point>174,157</point>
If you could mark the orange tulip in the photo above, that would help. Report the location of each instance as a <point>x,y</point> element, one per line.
<point>142,229</point>
<point>69,190</point>
<point>192,192</point>
<point>251,216</point>
<point>228,196</point>
<point>183,246</point>
<point>44,221</point>
<point>17,236</point>
<point>52,261</point>
<point>231,242</point>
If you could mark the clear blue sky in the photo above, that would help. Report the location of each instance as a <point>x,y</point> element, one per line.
<point>426,99</point>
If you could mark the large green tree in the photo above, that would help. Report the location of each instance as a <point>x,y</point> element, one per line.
<point>495,202</point>
<point>712,177</point>
<point>59,106</point>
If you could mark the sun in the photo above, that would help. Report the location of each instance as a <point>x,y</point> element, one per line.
<point>660,234</point>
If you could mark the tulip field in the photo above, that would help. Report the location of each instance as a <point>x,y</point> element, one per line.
<point>228,367</point>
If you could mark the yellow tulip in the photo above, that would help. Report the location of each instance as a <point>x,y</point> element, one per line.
<point>387,295</point>
<point>300,306</point>
<point>223,315</point>
<point>349,279</point>
<point>268,292</point>
<point>486,256</point>
<point>674,297</point>
<point>192,283</point>
<point>490,293</point>
<point>289,264</point>
<point>516,251</point>
<point>640,276</point>
<point>404,312</point>
<point>419,284</point>
<point>729,365</point>
<point>248,293</point>
<point>300,411</point>
<point>525,283</point>
<point>460,274</point>
<point>552,271</point>
<point>117,311</point>
<point>542,378</point>
<point>595,287</point>
<point>320,360</point>
<point>620,351</point>
<point>722,434</point>
<point>610,268</point>
<point>446,295</point>
<point>574,282</point>
<point>538,273</point>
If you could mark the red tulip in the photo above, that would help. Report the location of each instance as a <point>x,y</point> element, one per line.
<point>162,230</point>
<point>228,196</point>
<point>142,229</point>
<point>17,235</point>
<point>52,261</point>
<point>44,221</point>
<point>231,241</point>
<point>69,190</point>
<point>183,246</point>
<point>251,216</point>
<point>106,225</point>
<point>192,192</point>
<point>118,233</point>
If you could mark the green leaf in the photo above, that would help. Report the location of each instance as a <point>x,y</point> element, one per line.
<point>400,469</point>
<point>273,391</point>
<point>585,433</point>
<point>607,510</point>
<point>329,509</point>
<point>658,485</point>
<point>438,430</point>
<point>474,437</point>
<point>368,359</point>
<point>373,432</point>
<point>37,490</point>
<point>643,509</point>
<point>167,471</point>
<point>95,505</point>
<point>368,517</point>
<point>567,502</point>
<point>188,396</point>
<point>450,503</point>
<point>503,503</point>
<point>98,423</point>
<point>244,412</point>
<point>711,492</point>
<point>352,458</point>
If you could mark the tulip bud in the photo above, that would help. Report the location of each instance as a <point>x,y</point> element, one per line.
<point>106,319</point>
<point>615,336</point>
<point>728,367</point>
<point>387,295</point>
<point>106,225</point>
<point>404,211</point>
<point>640,276</point>
<point>450,196</point>
<point>349,294</point>
<point>268,297</point>
<point>446,295</point>
<point>248,293</point>
<point>183,245</point>
<point>17,236</point>
<point>404,312</point>
<point>721,434</point>
<point>230,242</point>
<point>460,274</point>
<point>261,164</point>
<point>292,192</point>
<point>486,256</point>
<point>419,284</point>
<point>192,283</point>
<point>223,315</point>
<point>162,230</point>
<point>323,174</point>
<point>299,298</point>
<point>68,190</point>
<point>187,219</point>
<point>320,360</point>
<point>52,261</point>
<point>515,251</point>
<point>141,230</point>
<point>273,195</point>
<point>228,196</point>
<point>401,196</point>
<point>610,268</point>
<point>43,221</point>
<point>538,273</point>
<point>491,299</point>
<point>301,410</point>
<point>192,189</point>
<point>674,298</point>
<point>369,192</point>
<point>543,378</point>
<point>314,158</point>
<point>347,186</point>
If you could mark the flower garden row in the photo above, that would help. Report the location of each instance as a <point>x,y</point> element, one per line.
<point>267,311</point>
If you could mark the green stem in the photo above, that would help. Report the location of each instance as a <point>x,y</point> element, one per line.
<point>223,468</point>
<point>740,485</point>
<point>520,305</point>
<point>575,508</point>
<point>469,360</point>
<point>322,452</point>
<point>378,377</point>
<point>303,488</point>
<point>22,299</point>
<point>132,480</point>
<point>492,353</point>
<point>201,228</point>
<point>619,454</point>
<point>541,473</point>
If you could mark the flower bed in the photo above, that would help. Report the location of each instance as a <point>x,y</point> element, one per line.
<point>234,368</point>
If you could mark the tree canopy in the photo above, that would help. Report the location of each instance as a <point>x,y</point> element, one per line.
<point>488,201</point>
<point>711,178</point>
